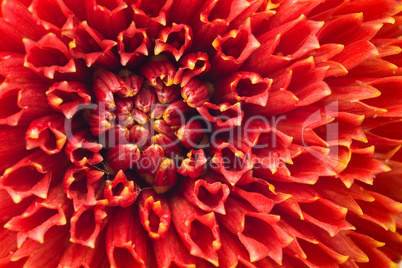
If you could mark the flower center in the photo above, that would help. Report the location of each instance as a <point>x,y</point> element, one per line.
<point>146,122</point>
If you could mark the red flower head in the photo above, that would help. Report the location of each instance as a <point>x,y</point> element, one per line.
<point>199,133</point>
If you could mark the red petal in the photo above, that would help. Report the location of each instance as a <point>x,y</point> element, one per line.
<point>355,54</point>
<point>122,156</point>
<point>347,29</point>
<point>170,250</point>
<point>362,167</point>
<point>20,106</point>
<point>390,97</point>
<point>258,193</point>
<point>82,185</point>
<point>243,86</point>
<point>214,19</point>
<point>67,96</point>
<point>154,213</point>
<point>232,50</point>
<point>254,230</point>
<point>18,16</point>
<point>288,11</point>
<point>120,191</point>
<point>48,56</point>
<point>206,194</point>
<point>52,15</point>
<point>109,17</point>
<point>81,150</point>
<point>87,222</point>
<point>232,252</point>
<point>32,175</point>
<point>8,246</point>
<point>230,162</point>
<point>175,40</point>
<point>286,42</point>
<point>133,45</point>
<point>89,45</point>
<point>199,232</point>
<point>9,209</point>
<point>192,64</point>
<point>193,165</point>
<point>47,133</point>
<point>43,254</point>
<point>125,240</point>
<point>12,147</point>
<point>152,16</point>
<point>371,10</point>
<point>76,255</point>
<point>40,216</point>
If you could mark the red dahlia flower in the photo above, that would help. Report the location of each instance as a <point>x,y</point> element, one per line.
<point>199,133</point>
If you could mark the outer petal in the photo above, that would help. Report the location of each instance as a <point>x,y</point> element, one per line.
<point>82,185</point>
<point>199,232</point>
<point>125,240</point>
<point>48,56</point>
<point>155,214</point>
<point>120,191</point>
<point>206,194</point>
<point>32,175</point>
<point>40,216</point>
<point>171,250</point>
<point>87,222</point>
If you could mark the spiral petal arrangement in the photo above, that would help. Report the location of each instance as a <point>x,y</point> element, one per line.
<point>192,133</point>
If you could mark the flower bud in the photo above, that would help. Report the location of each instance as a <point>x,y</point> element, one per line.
<point>190,134</point>
<point>140,136</point>
<point>149,162</point>
<point>167,94</point>
<point>195,93</point>
<point>123,106</point>
<point>159,73</point>
<point>157,111</point>
<point>145,99</point>
<point>122,156</point>
<point>140,117</point>
<point>105,85</point>
<point>100,121</point>
<point>116,135</point>
<point>134,83</point>
<point>166,176</point>
<point>176,113</point>
<point>161,127</point>
<point>171,148</point>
